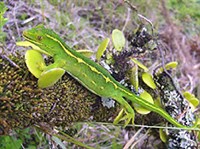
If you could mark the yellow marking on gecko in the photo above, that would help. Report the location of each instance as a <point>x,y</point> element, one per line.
<point>84,74</point>
<point>102,88</point>
<point>94,83</point>
<point>94,69</point>
<point>115,86</point>
<point>80,60</point>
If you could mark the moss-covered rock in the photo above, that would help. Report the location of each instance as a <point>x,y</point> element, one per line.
<point>23,104</point>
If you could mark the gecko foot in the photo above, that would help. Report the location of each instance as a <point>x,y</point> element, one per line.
<point>125,116</point>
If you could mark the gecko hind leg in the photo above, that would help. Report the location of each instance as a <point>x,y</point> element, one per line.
<point>127,114</point>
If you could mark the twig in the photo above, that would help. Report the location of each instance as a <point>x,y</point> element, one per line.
<point>29,20</point>
<point>9,60</point>
<point>131,5</point>
<point>148,126</point>
<point>133,138</point>
<point>140,139</point>
<point>127,20</point>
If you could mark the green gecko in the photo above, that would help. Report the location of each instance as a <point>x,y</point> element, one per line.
<point>91,75</point>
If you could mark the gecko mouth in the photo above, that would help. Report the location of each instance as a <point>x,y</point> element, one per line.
<point>24,34</point>
<point>35,43</point>
<point>28,37</point>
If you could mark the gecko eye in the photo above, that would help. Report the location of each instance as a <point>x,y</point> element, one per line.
<point>39,38</point>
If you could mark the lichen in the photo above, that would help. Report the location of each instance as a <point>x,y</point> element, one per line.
<point>177,107</point>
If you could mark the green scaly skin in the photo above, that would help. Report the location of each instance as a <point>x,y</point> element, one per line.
<point>91,75</point>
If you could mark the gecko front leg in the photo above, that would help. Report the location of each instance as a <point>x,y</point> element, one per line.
<point>127,109</point>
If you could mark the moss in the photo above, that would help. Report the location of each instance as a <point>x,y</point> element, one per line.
<point>23,104</point>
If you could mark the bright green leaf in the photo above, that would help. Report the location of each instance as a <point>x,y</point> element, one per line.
<point>50,77</point>
<point>191,99</point>
<point>139,64</point>
<point>148,80</point>
<point>194,102</point>
<point>188,95</point>
<point>168,66</point>
<point>163,135</point>
<point>102,48</point>
<point>118,39</point>
<point>35,62</point>
<point>146,96</point>
<point>171,65</point>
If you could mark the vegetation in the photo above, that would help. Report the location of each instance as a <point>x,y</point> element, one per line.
<point>97,26</point>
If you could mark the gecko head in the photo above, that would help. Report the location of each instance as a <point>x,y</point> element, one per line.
<point>42,37</point>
